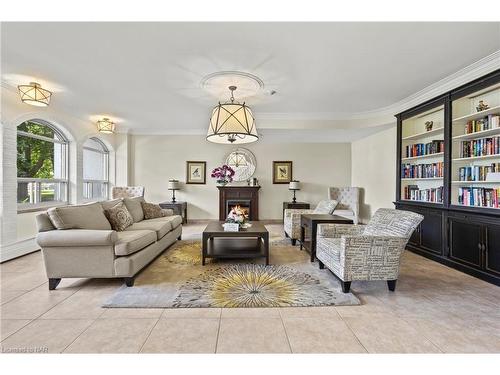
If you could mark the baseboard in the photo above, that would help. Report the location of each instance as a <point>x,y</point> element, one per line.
<point>17,249</point>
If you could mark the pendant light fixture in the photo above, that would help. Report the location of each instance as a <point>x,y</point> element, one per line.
<point>34,94</point>
<point>232,123</point>
<point>106,126</point>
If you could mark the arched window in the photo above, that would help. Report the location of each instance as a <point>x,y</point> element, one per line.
<point>95,169</point>
<point>42,165</point>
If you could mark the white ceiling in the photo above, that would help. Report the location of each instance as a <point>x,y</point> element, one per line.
<point>148,74</point>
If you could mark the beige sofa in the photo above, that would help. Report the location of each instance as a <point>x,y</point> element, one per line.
<point>77,241</point>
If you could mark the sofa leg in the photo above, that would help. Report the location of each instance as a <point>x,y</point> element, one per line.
<point>129,281</point>
<point>294,241</point>
<point>346,286</point>
<point>179,238</point>
<point>391,284</point>
<point>53,283</point>
<point>321,265</point>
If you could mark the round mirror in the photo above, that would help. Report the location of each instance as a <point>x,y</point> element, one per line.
<point>243,162</point>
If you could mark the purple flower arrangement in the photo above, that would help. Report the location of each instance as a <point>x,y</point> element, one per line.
<point>223,174</point>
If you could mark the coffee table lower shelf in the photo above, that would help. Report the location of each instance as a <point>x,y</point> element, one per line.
<point>235,248</point>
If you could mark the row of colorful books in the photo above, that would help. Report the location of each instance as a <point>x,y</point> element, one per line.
<point>479,197</point>
<point>434,195</point>
<point>480,147</point>
<point>477,172</point>
<point>490,122</point>
<point>420,149</point>
<point>422,170</point>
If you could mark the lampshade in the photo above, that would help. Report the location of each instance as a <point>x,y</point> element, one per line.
<point>33,94</point>
<point>106,126</point>
<point>294,185</point>
<point>232,123</point>
<point>174,185</point>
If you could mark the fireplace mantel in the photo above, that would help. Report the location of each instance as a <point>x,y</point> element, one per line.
<point>250,193</point>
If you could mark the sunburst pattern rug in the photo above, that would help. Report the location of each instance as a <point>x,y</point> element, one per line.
<point>177,279</point>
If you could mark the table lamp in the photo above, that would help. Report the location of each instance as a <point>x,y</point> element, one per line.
<point>173,185</point>
<point>294,185</point>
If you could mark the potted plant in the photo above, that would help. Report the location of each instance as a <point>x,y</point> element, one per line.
<point>223,175</point>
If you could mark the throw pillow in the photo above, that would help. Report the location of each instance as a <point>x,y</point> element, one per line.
<point>152,211</point>
<point>85,216</point>
<point>119,217</point>
<point>325,207</point>
<point>134,206</point>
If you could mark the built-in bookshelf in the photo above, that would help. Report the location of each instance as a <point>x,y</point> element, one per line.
<point>475,149</point>
<point>422,157</point>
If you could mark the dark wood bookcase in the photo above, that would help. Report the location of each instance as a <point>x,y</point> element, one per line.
<point>463,236</point>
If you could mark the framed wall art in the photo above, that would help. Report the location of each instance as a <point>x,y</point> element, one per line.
<point>196,172</point>
<point>282,172</point>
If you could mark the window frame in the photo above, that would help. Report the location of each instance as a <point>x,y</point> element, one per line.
<point>63,183</point>
<point>89,184</point>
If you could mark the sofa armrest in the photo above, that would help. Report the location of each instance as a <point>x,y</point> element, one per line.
<point>296,211</point>
<point>167,212</point>
<point>76,237</point>
<point>339,230</point>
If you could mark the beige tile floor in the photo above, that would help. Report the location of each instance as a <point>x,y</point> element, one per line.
<point>434,309</point>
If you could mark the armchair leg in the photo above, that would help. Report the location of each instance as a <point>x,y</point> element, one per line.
<point>286,235</point>
<point>129,281</point>
<point>346,286</point>
<point>53,283</point>
<point>321,265</point>
<point>179,238</point>
<point>391,284</point>
<point>294,241</point>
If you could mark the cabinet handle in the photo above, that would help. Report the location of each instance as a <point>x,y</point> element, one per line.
<point>480,246</point>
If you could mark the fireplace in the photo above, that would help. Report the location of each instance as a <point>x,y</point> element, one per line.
<point>247,197</point>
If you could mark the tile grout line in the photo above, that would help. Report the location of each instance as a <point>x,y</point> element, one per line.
<point>2,339</point>
<point>424,335</point>
<point>149,334</point>
<point>76,338</point>
<point>218,331</point>
<point>286,333</point>
<point>352,331</point>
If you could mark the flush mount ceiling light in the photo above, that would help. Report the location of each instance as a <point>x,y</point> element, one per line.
<point>33,94</point>
<point>232,123</point>
<point>106,126</point>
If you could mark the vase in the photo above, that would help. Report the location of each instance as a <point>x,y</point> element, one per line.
<point>221,183</point>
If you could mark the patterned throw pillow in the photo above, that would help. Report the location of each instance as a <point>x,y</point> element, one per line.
<point>119,217</point>
<point>325,207</point>
<point>152,211</point>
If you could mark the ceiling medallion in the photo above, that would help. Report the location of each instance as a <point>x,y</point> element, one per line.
<point>34,94</point>
<point>106,126</point>
<point>216,83</point>
<point>232,123</point>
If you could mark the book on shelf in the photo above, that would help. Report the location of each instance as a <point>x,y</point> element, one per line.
<point>477,172</point>
<point>479,197</point>
<point>422,170</point>
<point>420,149</point>
<point>480,147</point>
<point>486,123</point>
<point>434,195</point>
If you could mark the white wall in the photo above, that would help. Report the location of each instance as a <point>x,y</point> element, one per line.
<point>156,159</point>
<point>374,170</point>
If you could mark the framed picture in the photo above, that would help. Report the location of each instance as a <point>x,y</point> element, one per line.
<point>282,172</point>
<point>196,172</point>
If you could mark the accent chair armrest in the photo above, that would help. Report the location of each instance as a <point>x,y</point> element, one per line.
<point>76,237</point>
<point>383,245</point>
<point>339,230</point>
<point>297,211</point>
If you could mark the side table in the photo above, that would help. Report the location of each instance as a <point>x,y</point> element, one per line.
<point>309,223</point>
<point>296,205</point>
<point>179,208</point>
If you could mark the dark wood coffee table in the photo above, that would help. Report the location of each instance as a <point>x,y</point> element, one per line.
<point>252,242</point>
<point>309,223</point>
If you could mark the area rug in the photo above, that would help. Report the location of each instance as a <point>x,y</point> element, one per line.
<point>177,279</point>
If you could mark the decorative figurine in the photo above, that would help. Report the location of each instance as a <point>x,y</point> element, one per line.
<point>482,106</point>
<point>428,126</point>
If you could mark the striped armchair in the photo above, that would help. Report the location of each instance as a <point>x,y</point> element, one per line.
<point>366,252</point>
<point>127,191</point>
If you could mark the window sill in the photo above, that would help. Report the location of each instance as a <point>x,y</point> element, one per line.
<point>38,208</point>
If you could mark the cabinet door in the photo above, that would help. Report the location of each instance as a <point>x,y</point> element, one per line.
<point>415,237</point>
<point>431,232</point>
<point>465,241</point>
<point>492,242</point>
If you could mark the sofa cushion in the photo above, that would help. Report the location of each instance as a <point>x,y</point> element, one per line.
<point>174,220</point>
<point>119,217</point>
<point>152,211</point>
<point>325,207</point>
<point>132,241</point>
<point>86,216</point>
<point>106,205</point>
<point>43,223</point>
<point>134,206</point>
<point>161,227</point>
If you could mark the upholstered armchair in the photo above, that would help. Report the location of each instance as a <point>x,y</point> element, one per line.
<point>291,221</point>
<point>366,252</point>
<point>127,191</point>
<point>348,198</point>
